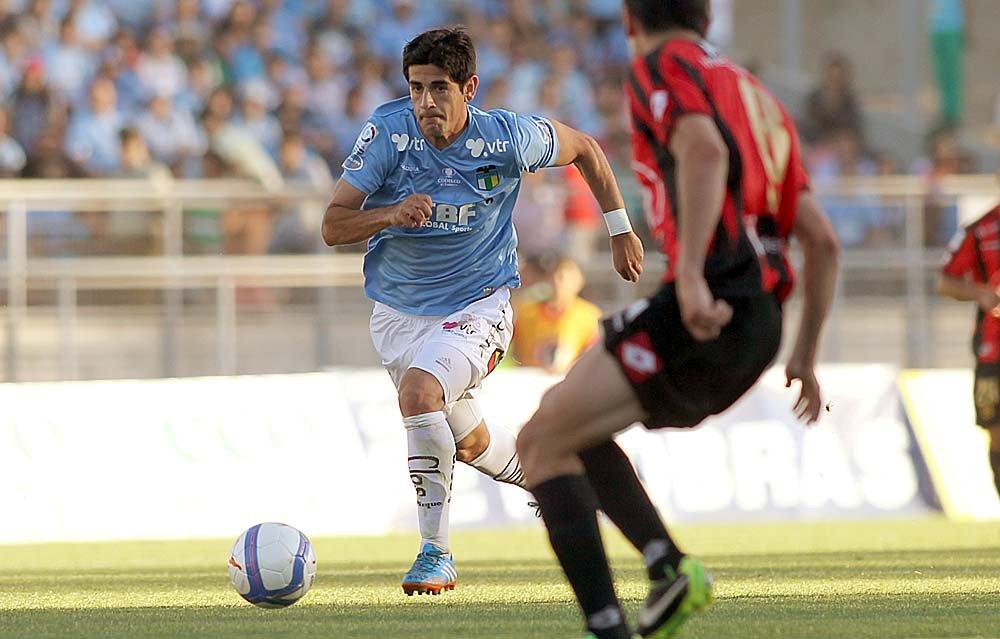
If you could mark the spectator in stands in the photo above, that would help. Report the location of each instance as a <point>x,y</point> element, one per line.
<point>39,24</point>
<point>833,106</point>
<point>121,63</point>
<point>92,138</point>
<point>54,233</point>
<point>35,107</point>
<point>325,90</point>
<point>374,90</point>
<point>203,224</point>
<point>346,128</point>
<point>240,149</point>
<point>204,77</point>
<point>282,75</point>
<point>256,116</point>
<point>136,160</point>
<point>286,26</point>
<point>49,161</point>
<point>172,135</point>
<point>191,30</point>
<point>295,227</point>
<point>858,219</point>
<point>69,64</point>
<point>132,232</point>
<point>248,62</point>
<point>160,71</point>
<point>334,33</point>
<point>948,29</point>
<point>12,156</point>
<point>582,217</point>
<point>553,330</point>
<point>945,158</point>
<point>538,217</point>
<point>13,54</point>
<point>94,22</point>
<point>401,25</point>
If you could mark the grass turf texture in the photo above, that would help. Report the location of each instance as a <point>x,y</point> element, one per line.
<point>926,578</point>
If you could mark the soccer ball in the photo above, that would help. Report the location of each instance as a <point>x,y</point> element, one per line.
<point>272,565</point>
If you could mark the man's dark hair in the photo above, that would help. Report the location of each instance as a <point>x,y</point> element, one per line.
<point>663,15</point>
<point>450,49</point>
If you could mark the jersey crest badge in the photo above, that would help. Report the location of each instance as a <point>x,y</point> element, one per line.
<point>487,177</point>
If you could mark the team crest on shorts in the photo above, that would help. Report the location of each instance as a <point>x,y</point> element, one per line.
<point>487,177</point>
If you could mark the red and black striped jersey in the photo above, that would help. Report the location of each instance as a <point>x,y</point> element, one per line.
<point>749,249</point>
<point>975,253</point>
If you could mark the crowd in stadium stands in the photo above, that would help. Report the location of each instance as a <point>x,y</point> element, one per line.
<point>278,90</point>
<point>832,126</point>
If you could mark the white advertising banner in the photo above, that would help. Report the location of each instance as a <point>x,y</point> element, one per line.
<point>326,452</point>
<point>941,411</point>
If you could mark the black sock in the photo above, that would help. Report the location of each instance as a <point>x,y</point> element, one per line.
<point>995,463</point>
<point>569,509</point>
<point>626,503</point>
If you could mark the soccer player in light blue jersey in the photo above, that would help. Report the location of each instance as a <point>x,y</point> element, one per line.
<point>431,185</point>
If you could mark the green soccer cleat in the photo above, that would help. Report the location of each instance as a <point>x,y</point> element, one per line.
<point>672,600</point>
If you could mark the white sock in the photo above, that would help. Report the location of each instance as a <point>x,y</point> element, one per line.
<point>431,459</point>
<point>499,460</point>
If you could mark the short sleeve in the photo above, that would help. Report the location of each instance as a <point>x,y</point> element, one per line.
<point>682,96</point>
<point>370,162</point>
<point>536,142</point>
<point>961,256</point>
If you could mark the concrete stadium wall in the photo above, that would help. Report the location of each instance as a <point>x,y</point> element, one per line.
<point>870,33</point>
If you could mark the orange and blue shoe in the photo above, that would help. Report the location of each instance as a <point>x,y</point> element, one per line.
<point>432,572</point>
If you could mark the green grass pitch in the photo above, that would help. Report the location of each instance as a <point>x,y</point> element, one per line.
<point>899,579</point>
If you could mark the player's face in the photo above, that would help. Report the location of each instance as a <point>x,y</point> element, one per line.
<point>438,101</point>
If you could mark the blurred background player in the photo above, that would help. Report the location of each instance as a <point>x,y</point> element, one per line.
<point>720,158</point>
<point>554,325</point>
<point>431,185</point>
<point>971,273</point>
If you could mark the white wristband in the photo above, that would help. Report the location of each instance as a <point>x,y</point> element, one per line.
<point>618,222</point>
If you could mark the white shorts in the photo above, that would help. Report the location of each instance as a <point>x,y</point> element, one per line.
<point>458,349</point>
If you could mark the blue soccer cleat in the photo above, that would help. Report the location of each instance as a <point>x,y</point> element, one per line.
<point>432,572</point>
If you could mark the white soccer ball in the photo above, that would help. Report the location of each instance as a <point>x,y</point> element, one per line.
<point>272,565</point>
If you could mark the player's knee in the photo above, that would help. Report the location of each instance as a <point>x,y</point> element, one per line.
<point>418,398</point>
<point>473,445</point>
<point>531,441</point>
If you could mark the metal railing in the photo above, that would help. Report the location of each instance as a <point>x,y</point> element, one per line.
<point>901,269</point>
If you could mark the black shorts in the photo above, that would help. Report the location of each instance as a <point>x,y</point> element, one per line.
<point>986,395</point>
<point>680,381</point>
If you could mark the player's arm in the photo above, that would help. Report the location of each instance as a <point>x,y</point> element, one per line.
<point>346,223</point>
<point>956,281</point>
<point>583,151</point>
<point>966,290</point>
<point>821,251</point>
<point>702,167</point>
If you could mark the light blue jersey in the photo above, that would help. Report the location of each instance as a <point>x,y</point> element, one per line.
<point>467,249</point>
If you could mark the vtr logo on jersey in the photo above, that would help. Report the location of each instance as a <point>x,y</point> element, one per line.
<point>481,148</point>
<point>403,142</point>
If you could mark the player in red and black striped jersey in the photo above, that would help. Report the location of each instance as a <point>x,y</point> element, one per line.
<point>765,174</point>
<point>719,159</point>
<point>971,272</point>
